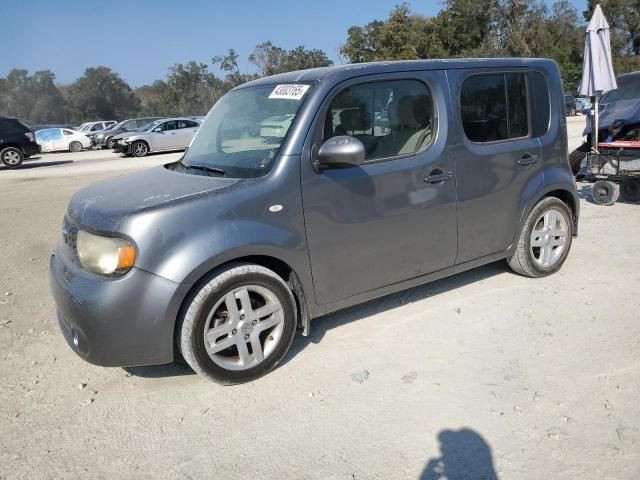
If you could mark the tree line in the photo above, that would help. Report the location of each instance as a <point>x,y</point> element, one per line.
<point>462,28</point>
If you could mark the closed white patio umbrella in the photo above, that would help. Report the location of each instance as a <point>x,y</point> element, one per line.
<point>597,70</point>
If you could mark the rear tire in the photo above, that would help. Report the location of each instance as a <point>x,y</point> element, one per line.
<point>75,147</point>
<point>605,192</point>
<point>239,325</point>
<point>545,239</point>
<point>630,189</point>
<point>11,157</point>
<point>110,143</point>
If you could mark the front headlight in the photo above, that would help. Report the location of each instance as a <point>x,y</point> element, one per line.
<point>105,255</point>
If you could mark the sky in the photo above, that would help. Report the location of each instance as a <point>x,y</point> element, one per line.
<point>140,39</point>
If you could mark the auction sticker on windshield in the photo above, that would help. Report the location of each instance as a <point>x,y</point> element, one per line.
<point>290,91</point>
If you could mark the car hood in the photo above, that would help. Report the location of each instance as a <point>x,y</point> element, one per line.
<point>105,205</point>
<point>626,110</point>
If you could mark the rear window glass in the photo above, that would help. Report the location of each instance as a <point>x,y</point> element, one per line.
<point>9,125</point>
<point>494,107</point>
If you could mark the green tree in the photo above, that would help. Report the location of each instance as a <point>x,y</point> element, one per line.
<point>270,59</point>
<point>34,99</point>
<point>101,94</point>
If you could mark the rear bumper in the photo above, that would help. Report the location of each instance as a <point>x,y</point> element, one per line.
<point>125,321</point>
<point>31,149</point>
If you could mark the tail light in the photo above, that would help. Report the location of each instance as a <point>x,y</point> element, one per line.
<point>30,136</point>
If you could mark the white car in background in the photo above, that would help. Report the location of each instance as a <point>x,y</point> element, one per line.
<point>62,139</point>
<point>161,135</point>
<point>94,127</point>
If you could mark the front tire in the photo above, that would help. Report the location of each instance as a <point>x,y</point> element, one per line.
<point>11,157</point>
<point>110,143</point>
<point>239,325</point>
<point>545,240</point>
<point>139,149</point>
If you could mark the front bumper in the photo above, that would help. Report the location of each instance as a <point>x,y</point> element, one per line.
<point>124,321</point>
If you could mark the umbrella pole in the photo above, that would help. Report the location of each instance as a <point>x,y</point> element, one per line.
<point>594,130</point>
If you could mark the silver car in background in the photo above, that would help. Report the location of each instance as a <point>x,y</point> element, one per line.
<point>161,135</point>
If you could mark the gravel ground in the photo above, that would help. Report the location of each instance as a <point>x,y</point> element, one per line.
<point>484,373</point>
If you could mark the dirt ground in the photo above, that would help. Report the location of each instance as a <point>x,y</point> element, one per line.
<point>485,374</point>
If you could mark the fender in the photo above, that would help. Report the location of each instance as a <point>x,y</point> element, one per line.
<point>558,181</point>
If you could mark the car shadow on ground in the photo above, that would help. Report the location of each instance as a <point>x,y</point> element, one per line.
<point>320,326</point>
<point>28,165</point>
<point>465,455</point>
<point>160,371</point>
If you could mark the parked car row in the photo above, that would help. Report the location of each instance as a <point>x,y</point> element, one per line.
<point>160,135</point>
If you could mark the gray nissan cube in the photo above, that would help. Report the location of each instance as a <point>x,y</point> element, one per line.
<point>311,191</point>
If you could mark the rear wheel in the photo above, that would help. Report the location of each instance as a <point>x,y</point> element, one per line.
<point>75,146</point>
<point>630,189</point>
<point>12,157</point>
<point>139,149</point>
<point>545,240</point>
<point>239,324</point>
<point>605,192</point>
<point>110,143</point>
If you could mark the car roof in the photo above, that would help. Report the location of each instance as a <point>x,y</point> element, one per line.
<point>338,73</point>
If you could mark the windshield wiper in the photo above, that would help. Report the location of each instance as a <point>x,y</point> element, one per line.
<point>204,168</point>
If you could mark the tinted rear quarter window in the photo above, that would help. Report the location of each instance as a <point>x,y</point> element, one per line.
<point>540,103</point>
<point>494,107</point>
<point>10,126</point>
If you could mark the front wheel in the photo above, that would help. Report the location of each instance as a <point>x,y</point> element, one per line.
<point>139,149</point>
<point>238,325</point>
<point>12,157</point>
<point>110,143</point>
<point>545,240</point>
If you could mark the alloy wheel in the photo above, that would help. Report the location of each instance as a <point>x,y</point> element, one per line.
<point>244,327</point>
<point>549,238</point>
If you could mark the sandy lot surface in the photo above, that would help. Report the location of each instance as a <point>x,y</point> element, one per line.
<point>485,373</point>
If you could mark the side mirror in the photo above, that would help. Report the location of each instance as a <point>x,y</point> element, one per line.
<point>340,151</point>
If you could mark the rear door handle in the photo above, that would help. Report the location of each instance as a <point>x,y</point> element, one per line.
<point>527,159</point>
<point>438,176</point>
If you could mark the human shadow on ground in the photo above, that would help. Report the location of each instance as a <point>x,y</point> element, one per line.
<point>464,455</point>
<point>29,165</point>
<point>321,325</point>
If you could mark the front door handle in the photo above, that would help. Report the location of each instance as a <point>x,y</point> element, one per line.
<point>527,159</point>
<point>438,176</point>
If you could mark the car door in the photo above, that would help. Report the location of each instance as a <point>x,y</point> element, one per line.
<point>59,140</point>
<point>394,217</point>
<point>67,138</point>
<point>186,131</point>
<point>163,137</point>
<point>498,159</point>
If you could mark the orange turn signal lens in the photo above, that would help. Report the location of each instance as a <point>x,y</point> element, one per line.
<point>126,257</point>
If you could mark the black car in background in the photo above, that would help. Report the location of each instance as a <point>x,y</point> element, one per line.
<point>105,139</point>
<point>17,142</point>
<point>570,105</point>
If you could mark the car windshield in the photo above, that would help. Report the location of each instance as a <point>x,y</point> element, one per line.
<point>628,89</point>
<point>150,126</point>
<point>245,129</point>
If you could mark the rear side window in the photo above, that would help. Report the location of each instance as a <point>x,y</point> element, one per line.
<point>540,103</point>
<point>391,118</point>
<point>495,107</point>
<point>7,125</point>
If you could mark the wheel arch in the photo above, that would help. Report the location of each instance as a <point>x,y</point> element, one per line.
<point>277,265</point>
<point>559,191</point>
